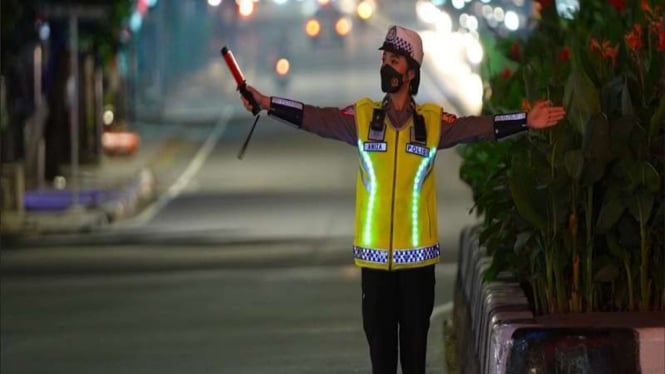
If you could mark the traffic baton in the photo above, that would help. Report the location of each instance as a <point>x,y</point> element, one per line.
<point>242,88</point>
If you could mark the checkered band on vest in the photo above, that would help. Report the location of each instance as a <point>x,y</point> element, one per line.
<point>370,255</point>
<point>401,45</point>
<point>410,256</point>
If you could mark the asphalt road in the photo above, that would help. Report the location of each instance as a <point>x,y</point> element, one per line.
<point>240,266</point>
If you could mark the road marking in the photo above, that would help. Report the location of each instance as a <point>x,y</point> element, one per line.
<point>440,310</point>
<point>185,178</point>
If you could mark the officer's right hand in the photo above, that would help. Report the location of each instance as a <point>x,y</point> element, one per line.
<point>264,101</point>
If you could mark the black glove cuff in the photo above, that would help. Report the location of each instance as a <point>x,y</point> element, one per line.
<point>509,124</point>
<point>287,111</point>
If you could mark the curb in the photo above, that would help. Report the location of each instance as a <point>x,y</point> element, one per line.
<point>139,190</point>
<point>497,332</point>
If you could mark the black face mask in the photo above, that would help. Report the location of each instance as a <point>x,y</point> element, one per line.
<point>391,79</point>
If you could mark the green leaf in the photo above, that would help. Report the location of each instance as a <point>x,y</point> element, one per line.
<point>612,95</point>
<point>522,239</point>
<point>607,273</point>
<point>574,161</point>
<point>597,137</point>
<point>640,205</point>
<point>615,248</point>
<point>626,102</point>
<point>609,215</point>
<point>643,174</point>
<point>650,177</point>
<point>528,200</point>
<point>580,98</point>
<point>593,172</point>
<point>620,132</point>
<point>657,120</point>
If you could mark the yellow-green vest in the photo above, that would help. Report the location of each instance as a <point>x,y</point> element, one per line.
<point>396,210</point>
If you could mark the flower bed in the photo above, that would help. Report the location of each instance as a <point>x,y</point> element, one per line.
<point>576,213</point>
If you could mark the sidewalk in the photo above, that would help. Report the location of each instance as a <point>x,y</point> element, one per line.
<point>111,190</point>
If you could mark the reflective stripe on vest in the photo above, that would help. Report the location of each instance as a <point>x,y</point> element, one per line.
<point>396,223</point>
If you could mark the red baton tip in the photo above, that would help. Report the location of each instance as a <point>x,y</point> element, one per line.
<point>233,66</point>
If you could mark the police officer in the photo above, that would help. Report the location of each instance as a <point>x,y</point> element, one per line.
<point>396,242</point>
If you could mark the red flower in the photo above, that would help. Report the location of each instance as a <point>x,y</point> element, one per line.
<point>515,52</point>
<point>610,52</point>
<point>634,38</point>
<point>526,105</point>
<point>617,4</point>
<point>564,55</point>
<point>605,49</point>
<point>506,73</point>
<point>661,40</point>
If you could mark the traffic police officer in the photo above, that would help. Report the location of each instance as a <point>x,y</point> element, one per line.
<point>396,241</point>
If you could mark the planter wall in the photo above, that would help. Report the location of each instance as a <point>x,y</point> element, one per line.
<point>497,332</point>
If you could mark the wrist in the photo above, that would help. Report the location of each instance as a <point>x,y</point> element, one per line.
<point>285,110</point>
<point>509,124</point>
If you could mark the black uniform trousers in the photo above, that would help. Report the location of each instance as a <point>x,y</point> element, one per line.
<point>397,306</point>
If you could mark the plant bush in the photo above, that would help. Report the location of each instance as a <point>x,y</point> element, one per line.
<point>576,211</point>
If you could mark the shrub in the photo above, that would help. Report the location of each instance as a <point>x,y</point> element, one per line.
<point>576,211</point>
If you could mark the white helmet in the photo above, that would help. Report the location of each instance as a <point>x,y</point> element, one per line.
<point>405,42</point>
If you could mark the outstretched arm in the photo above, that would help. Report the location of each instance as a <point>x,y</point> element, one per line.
<point>476,128</point>
<point>327,122</point>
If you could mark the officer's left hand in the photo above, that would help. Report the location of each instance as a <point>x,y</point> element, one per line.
<point>544,115</point>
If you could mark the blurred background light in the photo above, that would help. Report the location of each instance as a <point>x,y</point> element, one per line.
<point>343,26</point>
<point>499,14</point>
<point>282,66</point>
<point>135,21</point>
<point>427,12</point>
<point>312,27</point>
<point>567,8</point>
<point>458,4</point>
<point>44,31</point>
<point>512,20</point>
<point>246,8</point>
<point>474,50</point>
<point>214,2</point>
<point>365,9</point>
<point>472,23</point>
<point>108,117</point>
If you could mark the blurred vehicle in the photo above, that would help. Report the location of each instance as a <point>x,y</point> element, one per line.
<point>116,139</point>
<point>120,143</point>
<point>328,26</point>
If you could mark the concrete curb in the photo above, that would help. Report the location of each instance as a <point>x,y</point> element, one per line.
<point>498,333</point>
<point>137,191</point>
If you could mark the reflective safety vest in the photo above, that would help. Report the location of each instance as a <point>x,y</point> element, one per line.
<point>396,210</point>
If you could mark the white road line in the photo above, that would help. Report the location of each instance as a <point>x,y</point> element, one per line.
<point>185,178</point>
<point>440,310</point>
